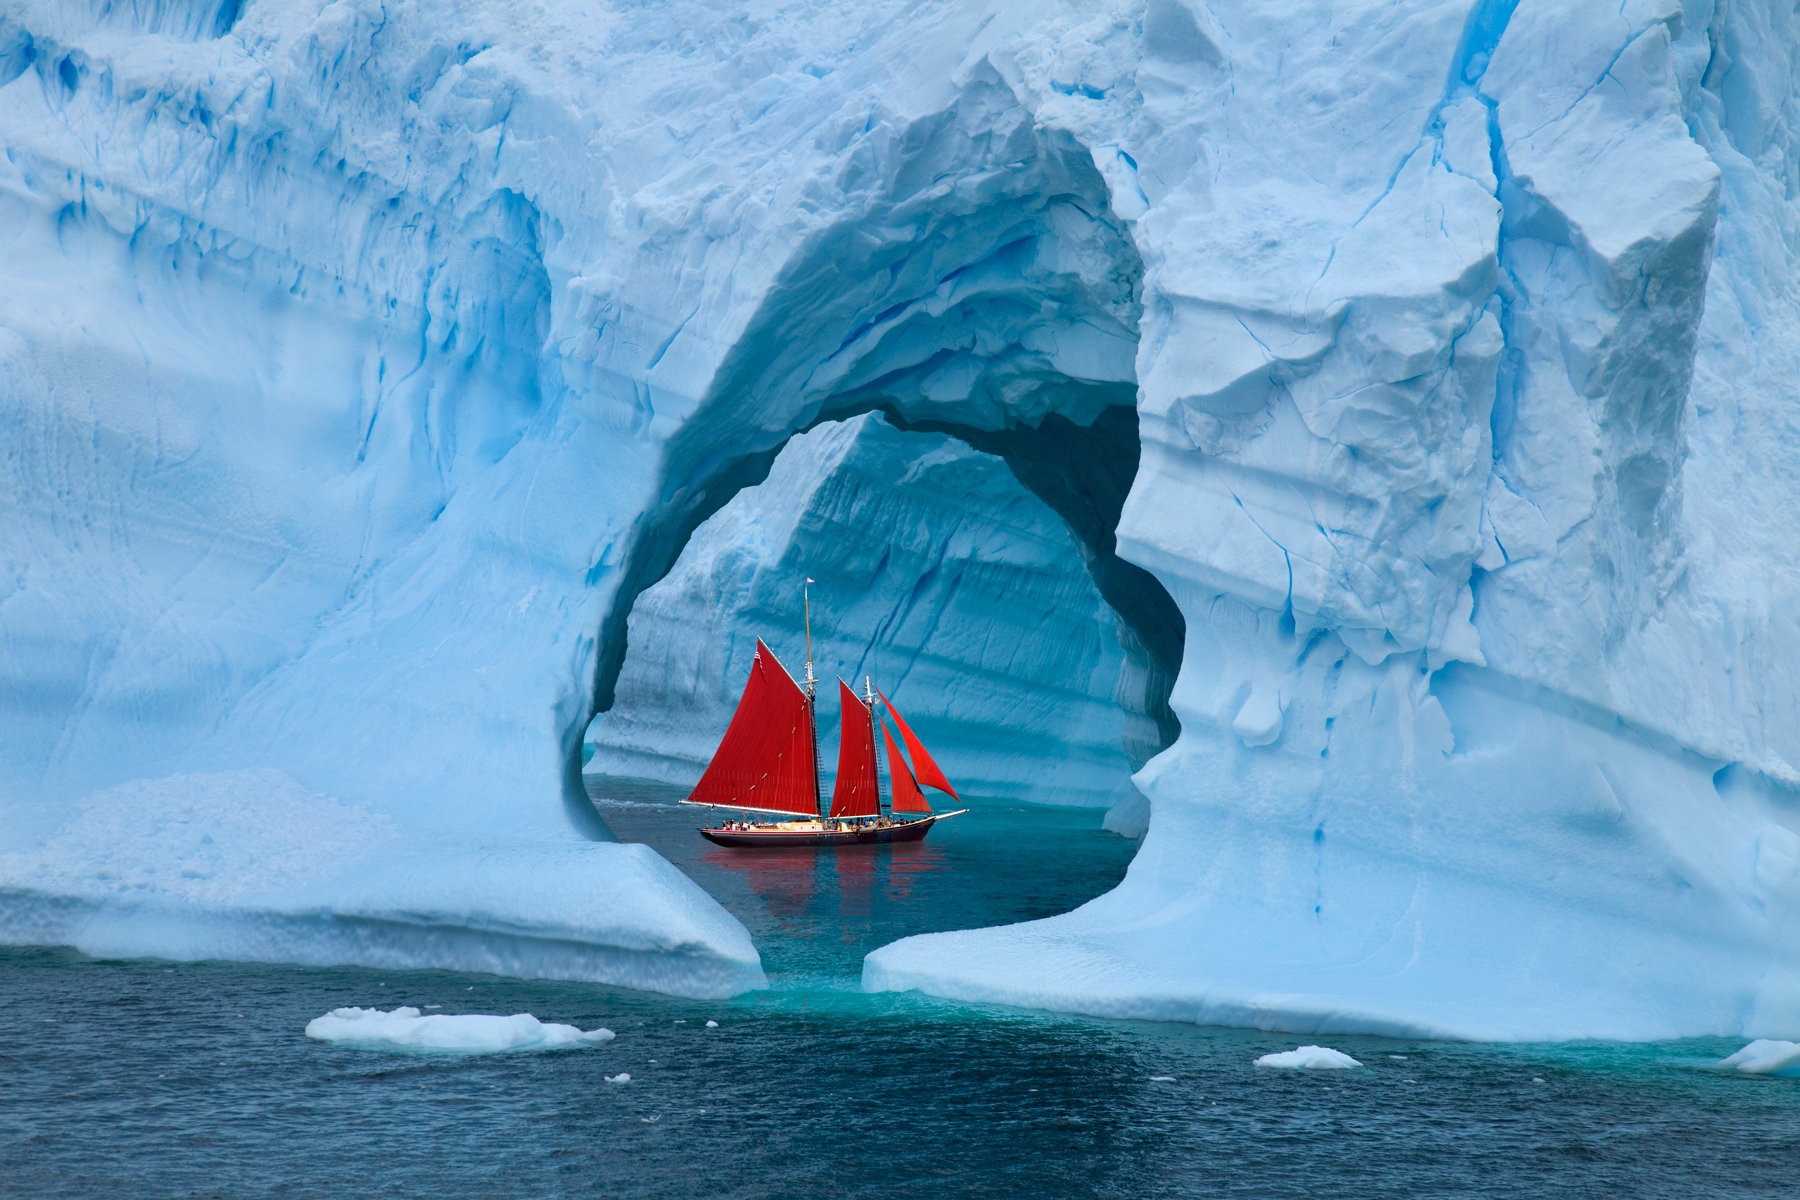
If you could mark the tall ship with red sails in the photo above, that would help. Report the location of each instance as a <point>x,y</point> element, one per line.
<point>768,764</point>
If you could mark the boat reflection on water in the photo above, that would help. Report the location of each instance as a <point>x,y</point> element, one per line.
<point>849,883</point>
<point>785,882</point>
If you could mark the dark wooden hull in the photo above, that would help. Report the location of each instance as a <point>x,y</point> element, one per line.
<point>904,831</point>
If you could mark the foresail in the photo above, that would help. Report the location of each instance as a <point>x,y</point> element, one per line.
<point>928,772</point>
<point>765,759</point>
<point>855,794</point>
<point>907,796</point>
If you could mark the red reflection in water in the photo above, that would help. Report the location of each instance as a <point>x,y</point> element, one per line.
<point>856,880</point>
<point>785,880</point>
<point>907,862</point>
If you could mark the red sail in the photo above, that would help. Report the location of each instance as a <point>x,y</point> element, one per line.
<point>907,796</point>
<point>855,794</point>
<point>929,775</point>
<point>765,759</point>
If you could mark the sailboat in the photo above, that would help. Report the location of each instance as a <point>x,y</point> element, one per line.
<point>768,764</point>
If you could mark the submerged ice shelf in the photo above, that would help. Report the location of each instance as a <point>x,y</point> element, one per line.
<point>366,364</point>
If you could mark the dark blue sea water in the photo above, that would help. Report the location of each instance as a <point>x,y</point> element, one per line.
<point>156,1079</point>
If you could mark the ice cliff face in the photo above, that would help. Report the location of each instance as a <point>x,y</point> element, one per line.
<point>939,575</point>
<point>365,363</point>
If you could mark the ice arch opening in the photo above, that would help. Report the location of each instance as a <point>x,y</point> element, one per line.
<point>985,291</point>
<point>966,597</point>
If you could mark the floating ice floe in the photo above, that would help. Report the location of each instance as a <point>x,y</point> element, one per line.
<point>621,1077</point>
<point>470,1033</point>
<point>1767,1056</point>
<point>1309,1058</point>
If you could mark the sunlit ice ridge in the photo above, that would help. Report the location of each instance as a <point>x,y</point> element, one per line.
<point>363,362</point>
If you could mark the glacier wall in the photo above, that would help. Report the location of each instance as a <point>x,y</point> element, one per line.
<point>368,361</point>
<point>937,573</point>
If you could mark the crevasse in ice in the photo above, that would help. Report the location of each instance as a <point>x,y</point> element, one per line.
<point>363,362</point>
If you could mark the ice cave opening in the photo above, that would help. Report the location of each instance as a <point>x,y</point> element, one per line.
<point>973,574</point>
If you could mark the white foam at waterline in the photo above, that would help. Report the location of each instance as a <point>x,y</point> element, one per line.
<point>469,1033</point>
<point>1309,1058</point>
<point>1767,1056</point>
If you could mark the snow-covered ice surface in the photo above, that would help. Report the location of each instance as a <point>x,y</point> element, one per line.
<point>1308,1058</point>
<point>937,574</point>
<point>1766,1056</point>
<point>404,1029</point>
<point>362,361</point>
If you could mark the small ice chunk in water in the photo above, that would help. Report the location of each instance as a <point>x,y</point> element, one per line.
<point>1767,1056</point>
<point>406,1029</point>
<point>712,1024</point>
<point>1162,1079</point>
<point>621,1077</point>
<point>1309,1058</point>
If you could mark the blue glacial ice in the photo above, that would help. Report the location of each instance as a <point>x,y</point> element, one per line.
<point>364,363</point>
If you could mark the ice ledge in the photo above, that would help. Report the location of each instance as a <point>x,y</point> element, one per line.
<point>249,866</point>
<point>188,933</point>
<point>1120,975</point>
<point>1478,962</point>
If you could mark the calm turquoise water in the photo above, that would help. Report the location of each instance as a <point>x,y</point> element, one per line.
<point>159,1079</point>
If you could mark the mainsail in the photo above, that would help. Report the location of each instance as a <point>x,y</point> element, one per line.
<point>928,772</point>
<point>907,796</point>
<point>855,794</point>
<point>765,761</point>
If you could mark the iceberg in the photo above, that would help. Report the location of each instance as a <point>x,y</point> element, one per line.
<point>404,1029</point>
<point>1414,382</point>
<point>1308,1058</point>
<point>1766,1056</point>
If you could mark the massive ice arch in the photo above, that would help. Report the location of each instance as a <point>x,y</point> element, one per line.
<point>366,354</point>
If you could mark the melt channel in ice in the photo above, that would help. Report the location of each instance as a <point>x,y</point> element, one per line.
<point>404,1029</point>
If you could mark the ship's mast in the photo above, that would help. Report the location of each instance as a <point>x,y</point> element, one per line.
<point>869,699</point>
<point>812,704</point>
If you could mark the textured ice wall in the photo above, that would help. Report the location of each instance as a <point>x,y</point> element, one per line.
<point>1490,583</point>
<point>361,356</point>
<point>938,574</point>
